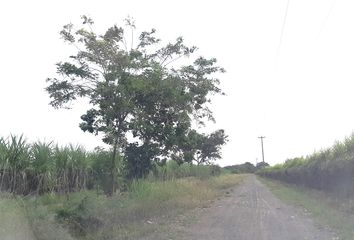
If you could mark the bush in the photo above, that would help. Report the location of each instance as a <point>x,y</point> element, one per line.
<point>173,170</point>
<point>78,219</point>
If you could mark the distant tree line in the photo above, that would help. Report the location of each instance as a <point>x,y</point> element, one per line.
<point>246,167</point>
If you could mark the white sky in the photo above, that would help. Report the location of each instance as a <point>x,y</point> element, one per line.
<point>301,99</point>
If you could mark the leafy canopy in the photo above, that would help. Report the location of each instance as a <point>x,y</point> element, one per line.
<point>136,91</point>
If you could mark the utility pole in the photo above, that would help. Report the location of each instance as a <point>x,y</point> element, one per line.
<point>261,137</point>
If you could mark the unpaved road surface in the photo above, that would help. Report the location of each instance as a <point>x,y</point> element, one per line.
<point>249,212</point>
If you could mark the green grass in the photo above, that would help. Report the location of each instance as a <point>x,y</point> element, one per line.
<point>146,207</point>
<point>13,221</point>
<point>328,210</point>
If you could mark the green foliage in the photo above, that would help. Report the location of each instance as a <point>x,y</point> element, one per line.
<point>14,164</point>
<point>138,159</point>
<point>100,166</point>
<point>246,167</point>
<point>136,90</point>
<point>261,165</point>
<point>201,148</point>
<point>46,168</point>
<point>42,167</point>
<point>173,170</point>
<point>329,169</point>
<point>78,219</point>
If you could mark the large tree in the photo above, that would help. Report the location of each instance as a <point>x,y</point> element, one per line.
<point>142,104</point>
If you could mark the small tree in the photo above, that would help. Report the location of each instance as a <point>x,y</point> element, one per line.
<point>134,90</point>
<point>201,148</point>
<point>262,165</point>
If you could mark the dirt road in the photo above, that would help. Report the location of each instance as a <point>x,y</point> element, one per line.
<point>250,212</point>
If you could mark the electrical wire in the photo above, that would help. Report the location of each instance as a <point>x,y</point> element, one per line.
<point>283,27</point>
<point>326,18</point>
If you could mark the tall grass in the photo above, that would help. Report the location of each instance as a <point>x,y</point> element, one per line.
<point>43,171</point>
<point>330,169</point>
<point>41,167</point>
<point>14,164</point>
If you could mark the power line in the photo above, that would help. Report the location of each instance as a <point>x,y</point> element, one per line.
<point>283,27</point>
<point>326,18</point>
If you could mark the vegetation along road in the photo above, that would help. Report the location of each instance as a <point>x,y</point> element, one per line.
<point>250,212</point>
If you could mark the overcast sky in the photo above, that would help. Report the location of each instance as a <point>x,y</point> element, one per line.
<point>298,92</point>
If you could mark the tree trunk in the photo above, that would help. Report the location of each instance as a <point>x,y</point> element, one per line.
<point>113,167</point>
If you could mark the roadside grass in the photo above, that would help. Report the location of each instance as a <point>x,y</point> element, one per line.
<point>326,209</point>
<point>151,205</point>
<point>147,207</point>
<point>13,221</point>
